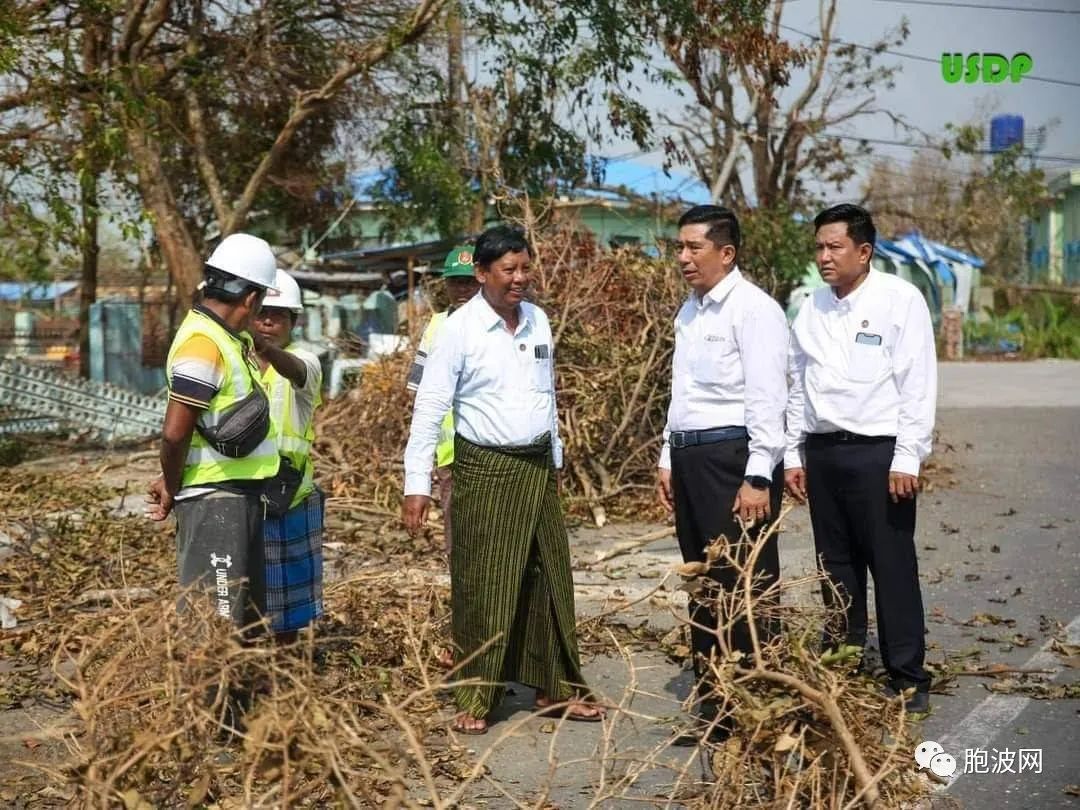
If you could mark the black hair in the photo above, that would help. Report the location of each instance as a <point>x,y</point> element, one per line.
<point>722,222</point>
<point>225,287</point>
<point>860,225</point>
<point>496,242</point>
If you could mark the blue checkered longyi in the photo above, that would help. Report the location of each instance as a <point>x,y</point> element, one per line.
<point>294,565</point>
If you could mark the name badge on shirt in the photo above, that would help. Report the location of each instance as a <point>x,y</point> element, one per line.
<point>542,351</point>
<point>866,339</point>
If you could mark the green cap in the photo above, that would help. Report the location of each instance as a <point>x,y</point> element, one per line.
<point>459,263</point>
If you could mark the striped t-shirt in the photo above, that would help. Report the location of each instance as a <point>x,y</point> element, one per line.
<point>197,372</point>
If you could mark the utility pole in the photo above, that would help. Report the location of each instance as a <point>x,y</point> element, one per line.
<point>92,50</point>
<point>455,101</point>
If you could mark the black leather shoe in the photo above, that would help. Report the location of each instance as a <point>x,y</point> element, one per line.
<point>918,703</point>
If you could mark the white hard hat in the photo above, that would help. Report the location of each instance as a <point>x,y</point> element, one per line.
<point>287,295</point>
<point>246,257</point>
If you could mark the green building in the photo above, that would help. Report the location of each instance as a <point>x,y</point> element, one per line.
<point>613,218</point>
<point>1055,232</point>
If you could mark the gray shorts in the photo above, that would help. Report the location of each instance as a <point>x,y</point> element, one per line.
<point>219,547</point>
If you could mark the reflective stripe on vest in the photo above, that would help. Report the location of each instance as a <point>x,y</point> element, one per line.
<point>203,464</point>
<point>444,450</point>
<point>292,438</point>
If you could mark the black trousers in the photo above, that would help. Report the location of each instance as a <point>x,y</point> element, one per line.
<point>858,528</point>
<point>705,479</point>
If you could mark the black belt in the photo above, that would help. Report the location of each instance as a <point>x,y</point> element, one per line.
<point>848,436</point>
<point>679,439</point>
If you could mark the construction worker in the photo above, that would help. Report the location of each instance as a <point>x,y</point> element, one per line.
<point>293,527</point>
<point>461,285</point>
<point>217,448</point>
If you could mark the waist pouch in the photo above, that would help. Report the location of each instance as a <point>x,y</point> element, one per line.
<point>282,488</point>
<point>242,427</point>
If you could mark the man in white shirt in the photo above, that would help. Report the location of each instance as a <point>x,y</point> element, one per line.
<point>512,593</point>
<point>860,421</point>
<point>724,439</point>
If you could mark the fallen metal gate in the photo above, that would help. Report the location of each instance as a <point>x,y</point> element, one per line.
<point>41,394</point>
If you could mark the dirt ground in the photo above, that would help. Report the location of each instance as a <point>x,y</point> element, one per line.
<point>998,547</point>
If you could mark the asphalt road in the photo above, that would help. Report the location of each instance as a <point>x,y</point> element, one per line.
<point>1000,540</point>
<point>1007,540</point>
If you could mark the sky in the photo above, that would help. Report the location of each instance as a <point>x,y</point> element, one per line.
<point>923,97</point>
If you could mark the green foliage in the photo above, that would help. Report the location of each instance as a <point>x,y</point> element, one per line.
<point>12,451</point>
<point>423,185</point>
<point>27,244</point>
<point>1050,329</point>
<point>777,247</point>
<point>529,115</point>
<point>1040,327</point>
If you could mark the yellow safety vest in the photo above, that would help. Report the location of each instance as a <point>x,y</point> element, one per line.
<point>204,465</point>
<point>293,437</point>
<point>444,450</point>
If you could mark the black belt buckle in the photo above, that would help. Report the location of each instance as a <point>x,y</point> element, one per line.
<point>679,439</point>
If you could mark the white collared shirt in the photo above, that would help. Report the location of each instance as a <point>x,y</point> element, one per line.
<point>730,369</point>
<point>865,363</point>
<point>501,386</point>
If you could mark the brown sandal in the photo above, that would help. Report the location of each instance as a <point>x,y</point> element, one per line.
<point>475,732</point>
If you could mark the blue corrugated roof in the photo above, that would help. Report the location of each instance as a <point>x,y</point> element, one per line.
<point>638,178</point>
<point>34,291</point>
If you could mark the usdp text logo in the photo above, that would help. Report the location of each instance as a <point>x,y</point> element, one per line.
<point>991,68</point>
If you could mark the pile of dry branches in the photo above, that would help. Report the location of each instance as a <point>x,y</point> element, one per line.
<point>360,437</point>
<point>612,315</point>
<point>348,717</point>
<point>812,730</point>
<point>357,714</point>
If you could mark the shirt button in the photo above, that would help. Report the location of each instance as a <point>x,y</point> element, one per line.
<point>521,346</point>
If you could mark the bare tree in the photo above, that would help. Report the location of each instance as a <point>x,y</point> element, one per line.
<point>208,98</point>
<point>764,109</point>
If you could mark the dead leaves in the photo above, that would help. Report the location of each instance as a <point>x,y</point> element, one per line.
<point>989,619</point>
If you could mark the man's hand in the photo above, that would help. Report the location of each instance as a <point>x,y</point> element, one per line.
<point>663,489</point>
<point>902,485</point>
<point>414,512</point>
<point>751,505</point>
<point>795,482</point>
<point>160,500</point>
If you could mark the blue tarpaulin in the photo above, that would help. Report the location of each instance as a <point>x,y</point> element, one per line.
<point>924,249</point>
<point>954,255</point>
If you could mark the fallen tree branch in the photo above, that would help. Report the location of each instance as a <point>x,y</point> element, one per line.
<point>626,546</point>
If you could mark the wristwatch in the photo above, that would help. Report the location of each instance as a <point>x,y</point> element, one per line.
<point>758,481</point>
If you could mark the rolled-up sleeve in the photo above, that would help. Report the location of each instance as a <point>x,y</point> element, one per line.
<point>915,373</point>
<point>434,398</point>
<point>763,344</point>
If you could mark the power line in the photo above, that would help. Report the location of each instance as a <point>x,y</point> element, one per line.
<point>888,142</point>
<point>917,57</point>
<point>982,6</point>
